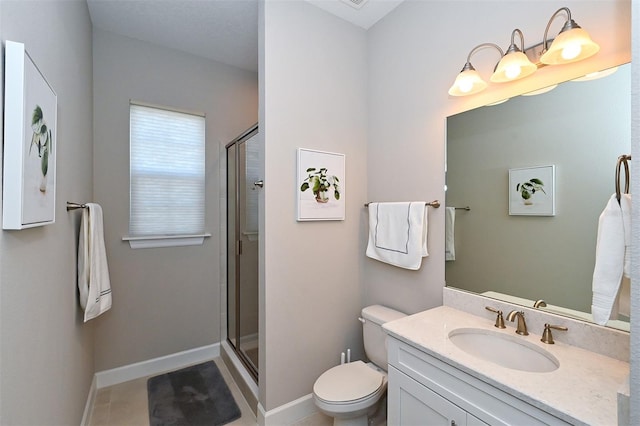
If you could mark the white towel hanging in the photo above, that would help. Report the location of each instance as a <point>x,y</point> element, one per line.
<point>398,233</point>
<point>449,236</point>
<point>93,272</point>
<point>612,248</point>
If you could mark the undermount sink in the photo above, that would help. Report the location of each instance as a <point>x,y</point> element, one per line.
<point>505,350</point>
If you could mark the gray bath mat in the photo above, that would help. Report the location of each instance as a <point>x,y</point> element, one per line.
<point>196,395</point>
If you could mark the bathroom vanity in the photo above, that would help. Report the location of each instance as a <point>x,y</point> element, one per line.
<point>452,368</point>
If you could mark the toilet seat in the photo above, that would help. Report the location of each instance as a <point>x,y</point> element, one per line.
<point>348,383</point>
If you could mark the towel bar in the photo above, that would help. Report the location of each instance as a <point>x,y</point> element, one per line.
<point>463,208</point>
<point>435,204</point>
<point>74,206</point>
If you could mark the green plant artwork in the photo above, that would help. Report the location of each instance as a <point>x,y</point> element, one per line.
<point>43,141</point>
<point>528,188</point>
<point>320,183</point>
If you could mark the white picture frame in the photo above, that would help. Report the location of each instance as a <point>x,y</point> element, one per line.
<point>324,172</point>
<point>30,143</point>
<point>532,191</point>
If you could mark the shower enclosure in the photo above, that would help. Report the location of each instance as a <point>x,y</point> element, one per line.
<point>242,248</point>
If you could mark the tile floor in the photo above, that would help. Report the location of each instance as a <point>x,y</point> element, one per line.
<point>126,404</point>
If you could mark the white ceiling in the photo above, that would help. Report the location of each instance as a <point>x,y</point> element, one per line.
<point>370,11</point>
<point>222,30</point>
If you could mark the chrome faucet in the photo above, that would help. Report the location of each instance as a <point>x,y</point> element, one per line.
<point>522,325</point>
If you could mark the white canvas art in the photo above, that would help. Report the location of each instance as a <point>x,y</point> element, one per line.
<point>29,189</point>
<point>321,185</point>
<point>532,191</point>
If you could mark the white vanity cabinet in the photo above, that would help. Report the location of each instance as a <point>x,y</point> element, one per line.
<point>423,390</point>
<point>412,403</point>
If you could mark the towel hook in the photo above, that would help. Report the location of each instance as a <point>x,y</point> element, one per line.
<point>623,160</point>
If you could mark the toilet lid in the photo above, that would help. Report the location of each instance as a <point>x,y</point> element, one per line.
<point>348,382</point>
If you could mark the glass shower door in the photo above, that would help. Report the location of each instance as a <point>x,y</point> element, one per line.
<point>242,248</point>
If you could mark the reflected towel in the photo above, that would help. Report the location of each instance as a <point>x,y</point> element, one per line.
<point>625,206</point>
<point>93,271</point>
<point>398,233</point>
<point>449,234</point>
<point>612,246</point>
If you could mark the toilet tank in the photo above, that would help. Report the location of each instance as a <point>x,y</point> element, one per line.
<point>375,343</point>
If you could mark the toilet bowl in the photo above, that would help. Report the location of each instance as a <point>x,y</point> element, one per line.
<point>350,392</point>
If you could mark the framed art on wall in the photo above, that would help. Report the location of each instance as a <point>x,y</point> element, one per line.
<point>320,185</point>
<point>29,177</point>
<point>532,191</point>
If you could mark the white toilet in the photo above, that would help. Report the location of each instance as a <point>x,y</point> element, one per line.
<point>350,392</point>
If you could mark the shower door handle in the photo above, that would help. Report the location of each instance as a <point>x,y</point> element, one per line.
<point>259,183</point>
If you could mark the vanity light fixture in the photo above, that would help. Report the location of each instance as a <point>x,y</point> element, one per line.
<point>469,82</point>
<point>514,65</point>
<point>571,45</point>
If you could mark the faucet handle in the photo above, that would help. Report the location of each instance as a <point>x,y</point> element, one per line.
<point>547,337</point>
<point>499,319</point>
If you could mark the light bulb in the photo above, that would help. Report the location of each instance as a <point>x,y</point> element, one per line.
<point>465,85</point>
<point>512,71</point>
<point>467,82</point>
<point>571,51</point>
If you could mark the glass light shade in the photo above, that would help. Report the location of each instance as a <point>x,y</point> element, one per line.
<point>596,75</point>
<point>468,82</point>
<point>513,66</point>
<point>498,102</point>
<point>570,46</point>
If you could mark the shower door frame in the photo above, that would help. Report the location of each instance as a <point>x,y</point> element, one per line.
<point>251,369</point>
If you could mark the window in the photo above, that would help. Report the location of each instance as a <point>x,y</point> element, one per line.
<point>167,176</point>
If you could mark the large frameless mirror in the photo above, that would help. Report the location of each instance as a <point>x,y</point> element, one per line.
<point>580,128</point>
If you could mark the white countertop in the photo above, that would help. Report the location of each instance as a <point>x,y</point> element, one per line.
<point>582,390</point>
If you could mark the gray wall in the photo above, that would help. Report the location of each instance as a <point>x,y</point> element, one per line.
<point>165,300</point>
<point>46,350</point>
<point>313,95</point>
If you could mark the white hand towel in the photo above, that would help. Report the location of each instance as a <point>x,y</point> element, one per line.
<point>93,271</point>
<point>398,233</point>
<point>449,235</point>
<point>625,205</point>
<point>610,259</point>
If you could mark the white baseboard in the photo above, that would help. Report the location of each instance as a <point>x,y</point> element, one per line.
<point>88,406</point>
<point>288,413</point>
<point>156,365</point>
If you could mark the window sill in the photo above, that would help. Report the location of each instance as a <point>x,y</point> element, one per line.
<point>165,241</point>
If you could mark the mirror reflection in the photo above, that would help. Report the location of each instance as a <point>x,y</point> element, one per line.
<point>580,128</point>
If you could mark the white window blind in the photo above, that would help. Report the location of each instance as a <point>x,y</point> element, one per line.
<point>167,172</point>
